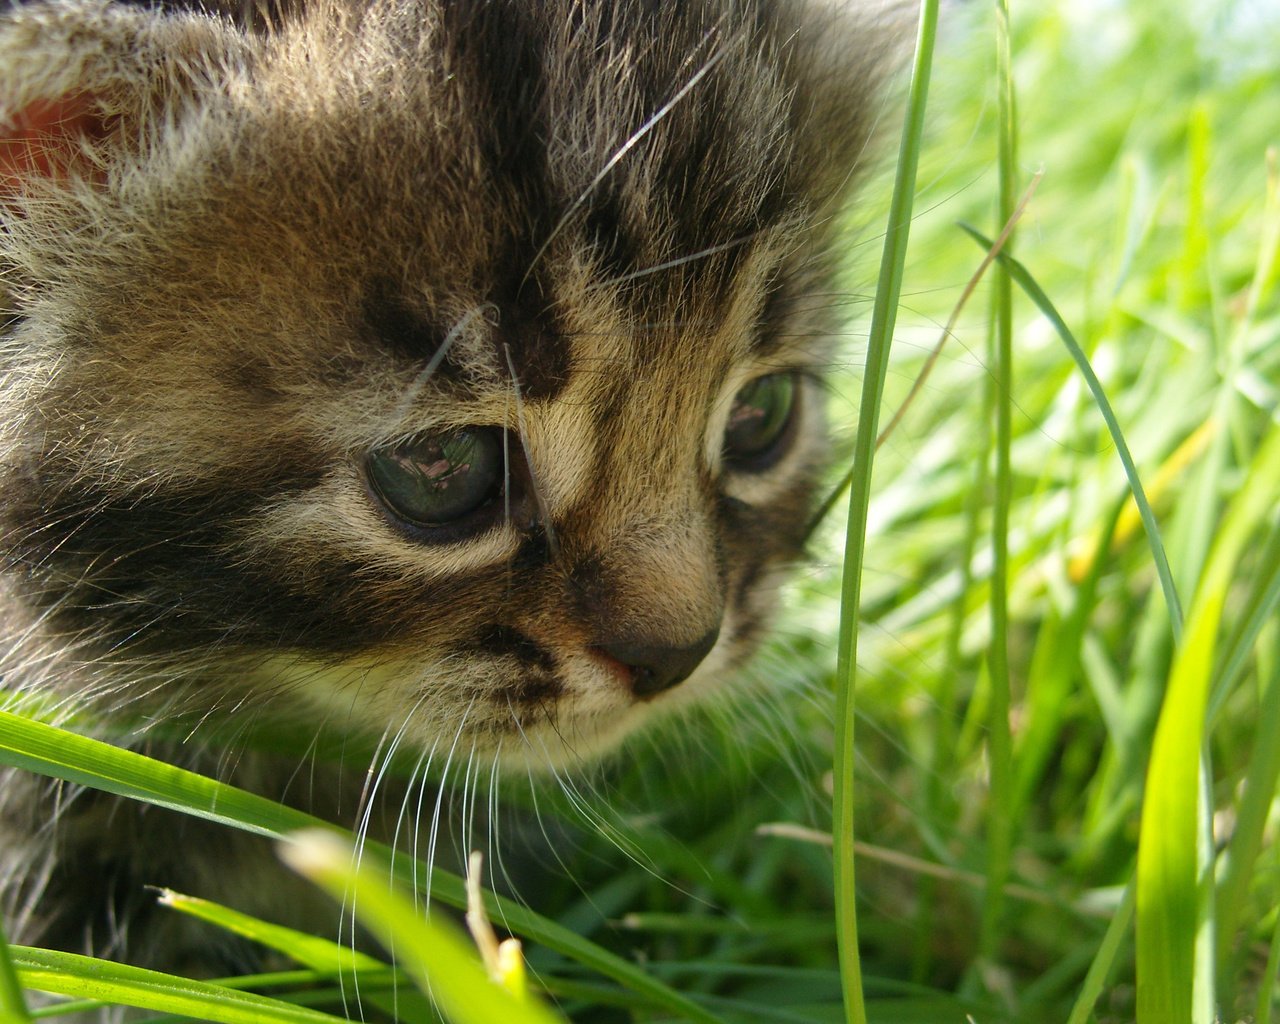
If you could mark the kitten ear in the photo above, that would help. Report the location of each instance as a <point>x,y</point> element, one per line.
<point>45,139</point>
<point>82,81</point>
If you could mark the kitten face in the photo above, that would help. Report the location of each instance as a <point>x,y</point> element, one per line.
<point>447,369</point>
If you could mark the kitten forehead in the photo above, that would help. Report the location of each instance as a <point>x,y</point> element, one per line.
<point>525,141</point>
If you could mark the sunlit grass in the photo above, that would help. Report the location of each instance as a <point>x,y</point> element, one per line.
<point>876,368</point>
<point>1153,229</point>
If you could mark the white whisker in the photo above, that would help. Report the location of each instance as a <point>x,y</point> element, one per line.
<point>680,261</point>
<point>438,356</point>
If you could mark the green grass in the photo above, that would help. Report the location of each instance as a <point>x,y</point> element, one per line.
<point>883,317</point>
<point>1063,807</point>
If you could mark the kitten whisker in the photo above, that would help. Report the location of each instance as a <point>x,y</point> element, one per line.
<point>437,357</point>
<point>347,908</point>
<point>494,857</point>
<point>628,850</point>
<point>381,762</point>
<point>596,820</point>
<point>679,261</point>
<point>434,835</point>
<point>421,772</point>
<point>470,783</point>
<point>387,760</point>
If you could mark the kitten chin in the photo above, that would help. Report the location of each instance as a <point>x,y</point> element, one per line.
<point>439,371</point>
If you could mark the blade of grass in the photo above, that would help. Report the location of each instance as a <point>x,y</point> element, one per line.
<point>1268,264</point>
<point>308,950</point>
<point>13,1009</point>
<point>1096,978</point>
<point>1053,672</point>
<point>943,753</point>
<point>1252,808</point>
<point>999,740</point>
<point>1034,292</point>
<point>1167,866</point>
<point>1270,974</point>
<point>943,749</point>
<point>436,955</point>
<point>1195,247</point>
<point>921,378</point>
<point>1258,608</point>
<point>1160,999</point>
<point>888,290</point>
<point>308,988</point>
<point>71,974</point>
<point>1167,874</point>
<point>48,750</point>
<point>1204,994</point>
<point>60,754</point>
<point>302,987</point>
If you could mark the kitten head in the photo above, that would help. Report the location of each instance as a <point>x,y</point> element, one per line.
<point>442,367</point>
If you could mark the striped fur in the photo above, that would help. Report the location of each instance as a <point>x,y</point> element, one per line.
<point>265,249</point>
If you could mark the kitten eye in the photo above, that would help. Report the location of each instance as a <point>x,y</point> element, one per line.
<point>760,421</point>
<point>439,480</point>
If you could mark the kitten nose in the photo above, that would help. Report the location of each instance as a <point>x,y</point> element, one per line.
<point>658,667</point>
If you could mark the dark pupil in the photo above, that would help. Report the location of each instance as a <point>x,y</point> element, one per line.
<point>437,479</point>
<point>760,414</point>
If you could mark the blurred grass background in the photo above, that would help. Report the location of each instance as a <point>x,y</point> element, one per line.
<point>702,852</point>
<point>1154,230</point>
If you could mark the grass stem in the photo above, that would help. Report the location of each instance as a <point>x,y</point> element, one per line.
<point>888,291</point>
<point>999,739</point>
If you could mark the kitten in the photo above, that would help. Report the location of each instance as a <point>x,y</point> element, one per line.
<point>437,369</point>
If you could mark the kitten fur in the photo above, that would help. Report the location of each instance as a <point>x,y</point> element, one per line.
<point>242,250</point>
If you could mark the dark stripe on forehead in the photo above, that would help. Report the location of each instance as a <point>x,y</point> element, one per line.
<point>403,330</point>
<point>772,332</point>
<point>679,211</point>
<point>800,309</point>
<point>530,340</point>
<point>611,233</point>
<point>498,50</point>
<point>709,163</point>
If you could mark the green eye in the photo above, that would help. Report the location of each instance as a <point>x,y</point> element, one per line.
<point>440,480</point>
<point>759,422</point>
